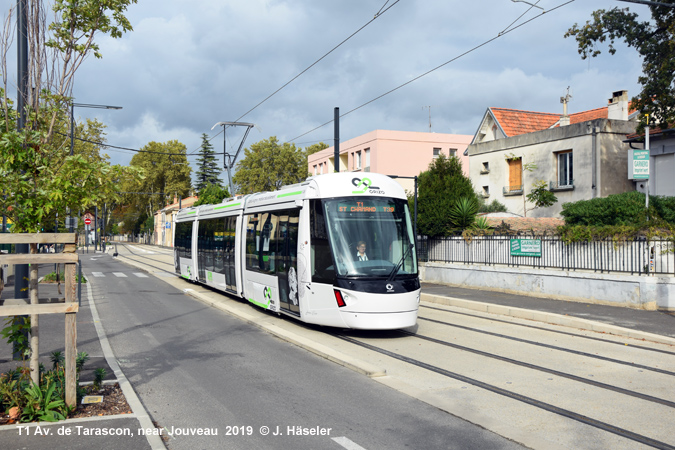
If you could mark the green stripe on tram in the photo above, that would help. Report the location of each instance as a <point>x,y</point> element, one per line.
<point>193,212</point>
<point>290,194</point>
<point>228,206</point>
<point>262,305</point>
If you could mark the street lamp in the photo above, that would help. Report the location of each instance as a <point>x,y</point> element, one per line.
<point>72,137</point>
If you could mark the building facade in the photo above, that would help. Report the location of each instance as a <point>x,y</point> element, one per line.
<point>164,220</point>
<point>578,157</point>
<point>399,153</point>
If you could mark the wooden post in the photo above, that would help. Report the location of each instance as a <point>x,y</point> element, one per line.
<point>71,331</point>
<point>14,307</point>
<point>34,318</point>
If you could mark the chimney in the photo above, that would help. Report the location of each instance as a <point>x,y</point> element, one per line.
<point>617,109</point>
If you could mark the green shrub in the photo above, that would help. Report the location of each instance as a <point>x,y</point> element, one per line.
<point>620,209</point>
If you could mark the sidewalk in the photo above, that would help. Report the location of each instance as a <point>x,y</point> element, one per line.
<point>117,431</point>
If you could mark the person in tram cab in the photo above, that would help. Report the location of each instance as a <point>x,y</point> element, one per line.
<point>361,254</point>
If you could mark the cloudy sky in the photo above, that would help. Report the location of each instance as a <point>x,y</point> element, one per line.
<point>190,64</point>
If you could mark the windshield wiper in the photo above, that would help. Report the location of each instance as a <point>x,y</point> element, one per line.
<point>400,263</point>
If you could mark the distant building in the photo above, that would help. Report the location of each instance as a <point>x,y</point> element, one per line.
<point>164,223</point>
<point>579,156</point>
<point>401,153</point>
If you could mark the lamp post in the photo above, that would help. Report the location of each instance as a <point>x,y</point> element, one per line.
<point>72,136</point>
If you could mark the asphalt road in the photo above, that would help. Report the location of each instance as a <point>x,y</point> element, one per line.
<point>198,369</point>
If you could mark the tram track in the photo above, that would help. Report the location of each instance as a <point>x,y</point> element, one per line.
<point>535,327</point>
<point>623,432</point>
<point>549,346</point>
<point>558,373</point>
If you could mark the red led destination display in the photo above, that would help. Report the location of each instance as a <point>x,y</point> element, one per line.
<point>364,207</point>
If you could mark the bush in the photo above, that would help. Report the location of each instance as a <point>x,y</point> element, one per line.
<point>620,209</point>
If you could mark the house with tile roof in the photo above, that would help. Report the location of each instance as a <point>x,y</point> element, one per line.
<point>579,156</point>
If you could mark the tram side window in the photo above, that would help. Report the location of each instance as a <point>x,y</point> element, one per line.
<point>183,239</point>
<point>219,245</point>
<point>260,243</point>
<point>323,270</point>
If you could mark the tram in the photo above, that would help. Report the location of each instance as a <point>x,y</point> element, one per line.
<point>300,252</point>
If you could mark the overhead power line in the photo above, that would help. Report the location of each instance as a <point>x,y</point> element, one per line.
<point>503,33</point>
<point>379,13</point>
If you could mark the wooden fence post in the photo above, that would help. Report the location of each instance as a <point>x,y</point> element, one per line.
<point>71,331</point>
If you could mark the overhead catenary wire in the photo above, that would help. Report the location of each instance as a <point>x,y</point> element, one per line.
<point>501,34</point>
<point>379,13</point>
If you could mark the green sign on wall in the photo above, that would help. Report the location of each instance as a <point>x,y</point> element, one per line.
<point>526,247</point>
<point>638,168</point>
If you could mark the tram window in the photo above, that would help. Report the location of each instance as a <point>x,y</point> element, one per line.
<point>260,245</point>
<point>183,239</point>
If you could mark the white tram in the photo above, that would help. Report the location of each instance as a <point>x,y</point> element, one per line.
<point>294,251</point>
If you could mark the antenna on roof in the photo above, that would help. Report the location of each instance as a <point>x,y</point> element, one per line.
<point>565,100</point>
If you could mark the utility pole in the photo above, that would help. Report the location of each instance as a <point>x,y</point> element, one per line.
<point>229,160</point>
<point>21,270</point>
<point>336,136</point>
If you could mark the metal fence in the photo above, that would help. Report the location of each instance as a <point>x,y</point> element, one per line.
<point>640,256</point>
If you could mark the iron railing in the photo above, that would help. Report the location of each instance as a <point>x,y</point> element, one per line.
<point>639,256</point>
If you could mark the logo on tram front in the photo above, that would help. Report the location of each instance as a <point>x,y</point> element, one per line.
<point>364,184</point>
<point>390,287</point>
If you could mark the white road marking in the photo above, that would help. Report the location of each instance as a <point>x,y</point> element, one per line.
<point>119,274</point>
<point>98,274</point>
<point>348,444</point>
<point>140,275</point>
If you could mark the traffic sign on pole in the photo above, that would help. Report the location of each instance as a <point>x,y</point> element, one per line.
<point>87,221</point>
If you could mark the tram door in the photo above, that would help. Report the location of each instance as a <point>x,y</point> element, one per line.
<point>228,254</point>
<point>287,268</point>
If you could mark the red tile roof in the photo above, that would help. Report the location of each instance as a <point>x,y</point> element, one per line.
<point>515,122</point>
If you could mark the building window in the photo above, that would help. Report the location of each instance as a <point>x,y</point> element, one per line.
<point>315,169</point>
<point>437,152</point>
<point>452,152</point>
<point>565,169</point>
<point>486,191</point>
<point>367,159</point>
<point>515,186</point>
<point>358,160</point>
<point>486,167</point>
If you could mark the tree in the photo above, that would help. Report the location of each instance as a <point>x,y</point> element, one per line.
<point>655,42</point>
<point>212,194</point>
<point>541,195</point>
<point>208,171</point>
<point>439,191</point>
<point>315,148</point>
<point>166,175</point>
<point>268,165</point>
<point>38,175</point>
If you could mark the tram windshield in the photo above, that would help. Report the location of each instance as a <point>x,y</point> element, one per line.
<point>371,237</point>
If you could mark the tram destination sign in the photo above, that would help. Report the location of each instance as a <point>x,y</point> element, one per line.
<point>526,247</point>
<point>364,206</point>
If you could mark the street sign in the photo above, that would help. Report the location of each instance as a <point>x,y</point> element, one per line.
<point>87,221</point>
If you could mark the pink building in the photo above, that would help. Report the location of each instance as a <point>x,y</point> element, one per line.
<point>402,153</point>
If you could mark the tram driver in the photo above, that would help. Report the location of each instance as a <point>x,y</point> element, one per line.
<point>361,251</point>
